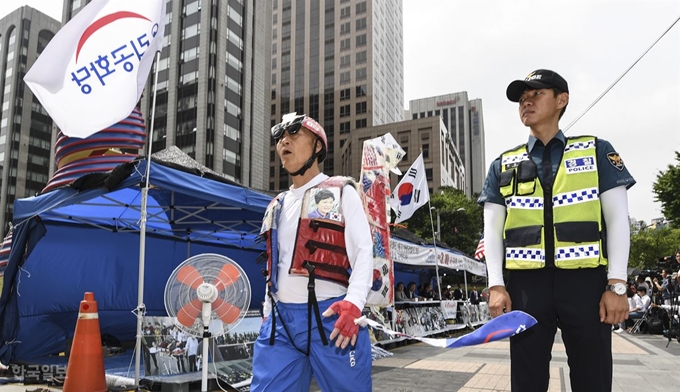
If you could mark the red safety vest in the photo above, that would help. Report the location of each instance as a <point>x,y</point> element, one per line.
<point>320,239</point>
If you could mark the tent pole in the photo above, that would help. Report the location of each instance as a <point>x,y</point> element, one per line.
<point>141,308</point>
<point>466,287</point>
<point>436,258</point>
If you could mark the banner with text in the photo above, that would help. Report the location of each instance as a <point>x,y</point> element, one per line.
<point>405,252</point>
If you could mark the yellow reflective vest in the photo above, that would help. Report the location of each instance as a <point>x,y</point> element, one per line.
<point>568,215</point>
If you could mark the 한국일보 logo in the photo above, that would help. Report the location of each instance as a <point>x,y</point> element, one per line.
<point>580,165</point>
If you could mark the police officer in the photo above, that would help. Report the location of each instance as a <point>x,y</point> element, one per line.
<point>556,217</point>
<point>314,262</point>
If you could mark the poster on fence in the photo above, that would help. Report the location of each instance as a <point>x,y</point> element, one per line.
<point>424,320</point>
<point>449,309</point>
<point>168,350</point>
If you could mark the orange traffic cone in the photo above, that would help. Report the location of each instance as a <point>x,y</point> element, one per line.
<point>85,370</point>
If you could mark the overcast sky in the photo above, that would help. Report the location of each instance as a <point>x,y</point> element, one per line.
<point>481,46</point>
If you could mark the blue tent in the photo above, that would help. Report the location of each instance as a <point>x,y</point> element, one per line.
<point>85,237</point>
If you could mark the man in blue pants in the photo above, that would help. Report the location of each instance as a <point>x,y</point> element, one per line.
<point>313,263</point>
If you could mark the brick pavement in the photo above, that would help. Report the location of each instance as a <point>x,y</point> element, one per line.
<point>642,363</point>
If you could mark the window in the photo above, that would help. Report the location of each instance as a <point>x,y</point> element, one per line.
<point>345,78</point>
<point>345,44</point>
<point>361,24</point>
<point>344,13</point>
<point>361,74</point>
<point>361,107</point>
<point>344,111</point>
<point>361,123</point>
<point>344,94</point>
<point>345,28</point>
<point>361,57</point>
<point>428,174</point>
<point>345,61</point>
<point>344,127</point>
<point>426,150</point>
<point>361,8</point>
<point>361,90</point>
<point>361,40</point>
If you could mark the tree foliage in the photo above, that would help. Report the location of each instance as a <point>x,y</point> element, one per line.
<point>461,219</point>
<point>667,191</point>
<point>647,246</point>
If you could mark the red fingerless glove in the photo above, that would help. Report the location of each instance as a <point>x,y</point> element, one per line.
<point>347,312</point>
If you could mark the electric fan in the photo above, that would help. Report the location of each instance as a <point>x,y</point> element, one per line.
<point>207,295</point>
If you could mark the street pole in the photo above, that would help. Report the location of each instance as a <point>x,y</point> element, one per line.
<point>434,241</point>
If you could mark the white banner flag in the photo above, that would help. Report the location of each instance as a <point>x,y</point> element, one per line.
<point>411,192</point>
<point>92,73</point>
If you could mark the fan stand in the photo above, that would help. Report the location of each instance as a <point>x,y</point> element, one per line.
<point>207,309</point>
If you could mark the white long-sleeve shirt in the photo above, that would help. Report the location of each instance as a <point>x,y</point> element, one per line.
<point>358,242</point>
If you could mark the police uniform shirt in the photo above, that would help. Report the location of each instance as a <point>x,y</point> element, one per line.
<point>611,170</point>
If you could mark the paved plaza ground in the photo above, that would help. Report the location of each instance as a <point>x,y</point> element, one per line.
<point>641,363</point>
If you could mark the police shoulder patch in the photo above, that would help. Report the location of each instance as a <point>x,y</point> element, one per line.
<point>616,161</point>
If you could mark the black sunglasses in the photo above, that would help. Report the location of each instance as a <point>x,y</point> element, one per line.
<point>292,127</point>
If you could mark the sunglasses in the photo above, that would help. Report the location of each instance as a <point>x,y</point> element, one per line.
<point>292,127</point>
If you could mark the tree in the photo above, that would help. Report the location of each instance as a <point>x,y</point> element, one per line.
<point>667,191</point>
<point>647,246</point>
<point>461,219</point>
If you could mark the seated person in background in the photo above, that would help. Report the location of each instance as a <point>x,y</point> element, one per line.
<point>427,292</point>
<point>642,302</point>
<point>447,294</point>
<point>399,293</point>
<point>411,292</point>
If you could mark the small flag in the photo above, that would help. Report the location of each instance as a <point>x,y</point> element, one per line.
<point>411,192</point>
<point>92,73</point>
<point>479,253</point>
<point>501,327</point>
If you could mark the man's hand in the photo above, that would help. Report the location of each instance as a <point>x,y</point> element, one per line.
<point>613,308</point>
<point>345,329</point>
<point>499,301</point>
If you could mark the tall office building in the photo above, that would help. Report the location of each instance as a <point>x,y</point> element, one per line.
<point>465,121</point>
<point>213,85</point>
<point>340,62</point>
<point>25,127</point>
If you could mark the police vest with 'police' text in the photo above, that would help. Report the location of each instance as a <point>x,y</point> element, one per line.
<point>569,213</point>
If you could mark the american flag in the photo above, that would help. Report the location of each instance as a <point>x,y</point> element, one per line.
<point>479,252</point>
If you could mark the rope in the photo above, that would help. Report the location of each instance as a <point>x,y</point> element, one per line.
<point>620,77</point>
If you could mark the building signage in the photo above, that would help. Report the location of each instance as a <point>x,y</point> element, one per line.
<point>447,102</point>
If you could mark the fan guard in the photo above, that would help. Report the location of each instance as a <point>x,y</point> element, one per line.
<point>207,278</point>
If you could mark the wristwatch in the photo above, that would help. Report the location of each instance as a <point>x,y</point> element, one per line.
<point>617,288</point>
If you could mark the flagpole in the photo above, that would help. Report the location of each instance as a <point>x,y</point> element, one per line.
<point>436,258</point>
<point>141,308</point>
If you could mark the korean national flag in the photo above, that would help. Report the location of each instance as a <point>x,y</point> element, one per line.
<point>411,192</point>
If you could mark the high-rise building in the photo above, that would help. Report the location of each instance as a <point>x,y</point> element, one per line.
<point>465,121</point>
<point>340,62</point>
<point>25,127</point>
<point>213,85</point>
